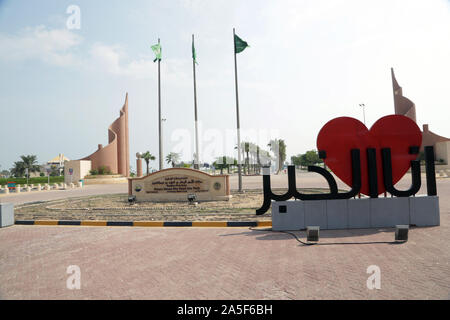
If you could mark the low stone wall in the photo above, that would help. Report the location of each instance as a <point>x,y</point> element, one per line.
<point>104,179</point>
<point>38,188</point>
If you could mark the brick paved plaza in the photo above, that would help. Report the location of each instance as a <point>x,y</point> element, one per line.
<point>223,263</point>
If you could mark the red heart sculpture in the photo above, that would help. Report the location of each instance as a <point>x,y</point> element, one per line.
<point>338,136</point>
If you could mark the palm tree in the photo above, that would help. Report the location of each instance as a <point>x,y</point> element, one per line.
<point>253,154</point>
<point>30,163</point>
<point>278,147</point>
<point>244,149</point>
<point>224,162</point>
<point>173,158</point>
<point>18,170</point>
<point>265,158</point>
<point>147,156</point>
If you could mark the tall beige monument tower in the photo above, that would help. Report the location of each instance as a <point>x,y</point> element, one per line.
<point>404,106</point>
<point>116,155</point>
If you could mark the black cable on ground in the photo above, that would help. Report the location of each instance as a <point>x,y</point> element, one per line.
<point>327,243</point>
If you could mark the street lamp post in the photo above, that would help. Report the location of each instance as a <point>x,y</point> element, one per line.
<point>364,111</point>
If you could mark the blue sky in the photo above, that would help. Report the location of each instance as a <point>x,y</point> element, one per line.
<point>309,61</point>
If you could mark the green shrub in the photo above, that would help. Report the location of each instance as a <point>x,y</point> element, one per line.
<point>104,170</point>
<point>34,180</point>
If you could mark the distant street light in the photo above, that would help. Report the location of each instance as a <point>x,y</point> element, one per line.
<point>364,111</point>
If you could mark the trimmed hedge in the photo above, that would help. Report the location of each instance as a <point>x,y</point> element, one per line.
<point>34,180</point>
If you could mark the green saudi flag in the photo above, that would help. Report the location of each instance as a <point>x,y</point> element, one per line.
<point>194,55</point>
<point>157,50</point>
<point>239,44</point>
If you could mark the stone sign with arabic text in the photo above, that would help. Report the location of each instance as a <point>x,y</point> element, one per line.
<point>176,184</point>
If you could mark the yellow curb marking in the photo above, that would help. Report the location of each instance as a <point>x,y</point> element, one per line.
<point>93,223</point>
<point>46,222</point>
<point>148,224</point>
<point>209,224</point>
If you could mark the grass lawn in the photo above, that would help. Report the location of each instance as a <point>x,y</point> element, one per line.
<point>35,180</point>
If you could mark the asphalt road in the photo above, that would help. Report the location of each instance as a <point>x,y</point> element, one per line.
<point>304,180</point>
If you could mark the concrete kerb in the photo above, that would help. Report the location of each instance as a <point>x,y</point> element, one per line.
<point>4,190</point>
<point>104,223</point>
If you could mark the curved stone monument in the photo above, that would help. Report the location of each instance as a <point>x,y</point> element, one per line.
<point>115,155</point>
<point>404,106</point>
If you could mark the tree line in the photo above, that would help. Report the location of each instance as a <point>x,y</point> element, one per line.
<point>30,163</point>
<point>309,158</point>
<point>254,158</point>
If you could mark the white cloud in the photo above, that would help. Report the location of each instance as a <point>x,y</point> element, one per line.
<point>114,60</point>
<point>60,47</point>
<point>107,57</point>
<point>53,46</point>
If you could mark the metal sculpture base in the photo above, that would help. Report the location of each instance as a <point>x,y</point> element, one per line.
<point>419,211</point>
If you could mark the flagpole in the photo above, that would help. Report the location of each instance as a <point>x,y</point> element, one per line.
<point>196,163</point>
<point>159,115</point>
<point>237,117</point>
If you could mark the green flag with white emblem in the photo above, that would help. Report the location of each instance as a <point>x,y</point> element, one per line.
<point>157,50</point>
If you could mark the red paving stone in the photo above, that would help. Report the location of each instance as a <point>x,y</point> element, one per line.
<point>223,263</point>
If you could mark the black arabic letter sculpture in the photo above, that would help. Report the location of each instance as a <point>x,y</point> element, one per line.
<point>429,169</point>
<point>356,181</point>
<point>269,195</point>
<point>320,196</point>
<point>292,190</point>
<point>387,176</point>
